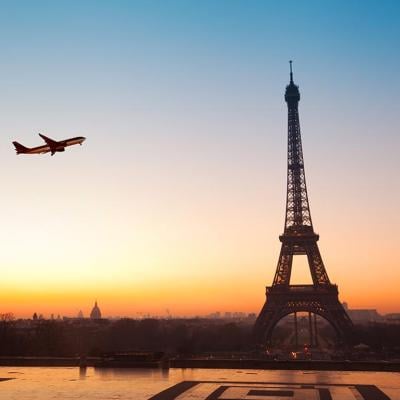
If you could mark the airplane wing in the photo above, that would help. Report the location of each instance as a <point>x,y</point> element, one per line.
<point>50,142</point>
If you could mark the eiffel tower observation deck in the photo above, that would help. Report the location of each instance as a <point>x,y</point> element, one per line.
<point>282,298</point>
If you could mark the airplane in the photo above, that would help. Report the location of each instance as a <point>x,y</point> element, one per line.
<point>51,145</point>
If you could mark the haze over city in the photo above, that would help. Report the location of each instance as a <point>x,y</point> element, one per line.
<point>177,198</point>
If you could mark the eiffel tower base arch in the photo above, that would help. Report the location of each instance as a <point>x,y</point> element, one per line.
<point>322,301</point>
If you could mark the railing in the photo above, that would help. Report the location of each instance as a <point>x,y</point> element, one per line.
<point>303,288</point>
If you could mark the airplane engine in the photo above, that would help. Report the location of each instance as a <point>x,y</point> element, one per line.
<point>60,149</point>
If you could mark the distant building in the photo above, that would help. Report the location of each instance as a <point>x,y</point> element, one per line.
<point>393,318</point>
<point>80,315</point>
<point>238,315</point>
<point>362,316</point>
<point>95,313</point>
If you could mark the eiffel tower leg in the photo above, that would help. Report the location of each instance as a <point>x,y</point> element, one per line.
<point>315,330</point>
<point>310,329</point>
<point>317,268</point>
<point>284,268</point>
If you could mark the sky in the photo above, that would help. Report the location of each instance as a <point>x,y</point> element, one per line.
<point>175,201</point>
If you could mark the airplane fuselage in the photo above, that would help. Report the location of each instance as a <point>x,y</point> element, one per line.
<point>61,145</point>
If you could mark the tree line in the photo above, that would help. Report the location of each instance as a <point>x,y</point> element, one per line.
<point>70,338</point>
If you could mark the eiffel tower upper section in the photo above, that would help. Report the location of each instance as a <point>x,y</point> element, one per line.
<point>298,216</point>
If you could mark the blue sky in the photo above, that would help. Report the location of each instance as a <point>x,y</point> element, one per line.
<point>182,106</point>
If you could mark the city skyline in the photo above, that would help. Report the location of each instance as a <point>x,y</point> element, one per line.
<point>176,201</point>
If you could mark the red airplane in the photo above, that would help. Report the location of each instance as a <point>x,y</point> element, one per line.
<point>51,145</point>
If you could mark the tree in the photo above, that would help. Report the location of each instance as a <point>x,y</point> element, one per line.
<point>7,317</point>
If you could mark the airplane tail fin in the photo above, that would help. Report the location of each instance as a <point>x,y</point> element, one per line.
<point>20,148</point>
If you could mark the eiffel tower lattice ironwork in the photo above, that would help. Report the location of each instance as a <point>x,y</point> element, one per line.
<point>321,297</point>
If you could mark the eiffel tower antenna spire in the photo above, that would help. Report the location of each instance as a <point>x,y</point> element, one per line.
<point>291,72</point>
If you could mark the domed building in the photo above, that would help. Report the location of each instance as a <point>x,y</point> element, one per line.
<point>95,313</point>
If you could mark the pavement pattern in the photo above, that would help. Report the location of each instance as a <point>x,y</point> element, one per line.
<point>214,390</point>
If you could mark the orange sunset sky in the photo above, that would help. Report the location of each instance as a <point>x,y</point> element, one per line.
<point>176,199</point>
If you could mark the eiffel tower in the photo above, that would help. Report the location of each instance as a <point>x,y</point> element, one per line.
<point>320,297</point>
